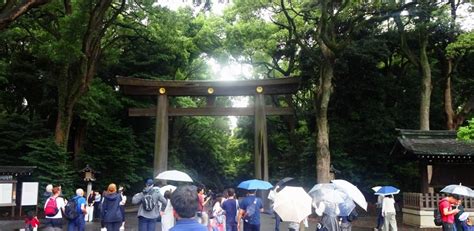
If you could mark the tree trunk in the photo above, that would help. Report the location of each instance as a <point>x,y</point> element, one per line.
<point>426,87</point>
<point>79,137</point>
<point>448,99</point>
<point>323,155</point>
<point>63,125</point>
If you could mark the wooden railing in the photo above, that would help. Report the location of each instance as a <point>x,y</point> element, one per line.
<point>428,201</point>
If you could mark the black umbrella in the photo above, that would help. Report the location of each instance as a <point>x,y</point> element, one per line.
<point>284,182</point>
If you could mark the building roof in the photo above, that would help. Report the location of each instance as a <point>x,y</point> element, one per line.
<point>435,145</point>
<point>16,170</point>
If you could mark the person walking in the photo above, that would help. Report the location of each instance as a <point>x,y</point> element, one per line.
<point>231,207</point>
<point>218,214</point>
<point>346,221</point>
<point>185,204</point>
<point>54,222</point>
<point>89,217</point>
<point>389,213</point>
<point>271,197</point>
<point>78,223</point>
<point>447,212</point>
<point>378,210</point>
<point>249,211</point>
<point>111,213</point>
<point>167,219</point>
<point>97,203</point>
<point>122,206</point>
<point>203,200</point>
<point>149,209</point>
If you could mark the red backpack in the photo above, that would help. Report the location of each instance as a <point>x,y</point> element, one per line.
<point>51,208</point>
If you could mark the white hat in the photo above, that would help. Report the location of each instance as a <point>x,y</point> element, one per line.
<point>463,216</point>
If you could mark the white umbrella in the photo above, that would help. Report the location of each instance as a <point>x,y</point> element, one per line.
<point>174,175</point>
<point>458,189</point>
<point>292,204</point>
<point>167,188</point>
<point>376,188</point>
<point>354,193</point>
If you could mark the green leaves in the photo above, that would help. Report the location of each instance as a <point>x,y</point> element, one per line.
<point>463,44</point>
<point>54,165</point>
<point>467,132</point>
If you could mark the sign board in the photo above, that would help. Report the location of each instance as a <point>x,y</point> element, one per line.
<point>6,194</point>
<point>29,193</point>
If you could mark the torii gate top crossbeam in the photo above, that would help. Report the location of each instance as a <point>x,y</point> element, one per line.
<point>136,86</point>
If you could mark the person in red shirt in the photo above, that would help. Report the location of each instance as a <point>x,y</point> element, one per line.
<point>31,221</point>
<point>447,212</point>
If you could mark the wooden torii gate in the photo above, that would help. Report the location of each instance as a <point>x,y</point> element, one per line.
<point>210,89</point>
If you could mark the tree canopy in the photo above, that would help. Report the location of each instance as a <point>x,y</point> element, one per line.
<point>367,69</point>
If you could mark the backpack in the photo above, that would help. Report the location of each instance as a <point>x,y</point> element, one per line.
<point>250,210</point>
<point>437,215</point>
<point>352,216</point>
<point>147,202</point>
<point>51,208</point>
<point>70,210</point>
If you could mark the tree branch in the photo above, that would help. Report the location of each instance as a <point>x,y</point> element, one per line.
<point>10,12</point>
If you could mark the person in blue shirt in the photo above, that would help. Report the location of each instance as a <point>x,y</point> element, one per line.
<point>185,205</point>
<point>230,207</point>
<point>249,211</point>
<point>79,223</point>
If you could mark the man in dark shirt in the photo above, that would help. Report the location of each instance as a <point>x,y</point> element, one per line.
<point>251,222</point>
<point>230,207</point>
<point>185,205</point>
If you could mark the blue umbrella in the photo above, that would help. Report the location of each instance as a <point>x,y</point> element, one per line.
<point>387,190</point>
<point>255,184</point>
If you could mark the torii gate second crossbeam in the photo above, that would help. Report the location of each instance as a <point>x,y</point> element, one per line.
<point>210,89</point>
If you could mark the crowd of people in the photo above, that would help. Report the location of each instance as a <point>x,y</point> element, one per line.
<point>185,208</point>
<point>188,208</point>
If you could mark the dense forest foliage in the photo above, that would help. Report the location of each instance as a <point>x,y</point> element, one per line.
<point>367,69</point>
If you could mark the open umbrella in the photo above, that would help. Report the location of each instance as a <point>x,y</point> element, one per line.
<point>387,190</point>
<point>458,189</point>
<point>352,191</point>
<point>376,188</point>
<point>284,182</point>
<point>292,204</point>
<point>174,175</point>
<point>331,200</point>
<point>255,184</point>
<point>167,188</point>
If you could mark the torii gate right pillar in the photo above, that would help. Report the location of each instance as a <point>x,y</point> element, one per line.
<point>261,144</point>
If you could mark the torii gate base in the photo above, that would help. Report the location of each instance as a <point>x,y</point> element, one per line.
<point>210,89</point>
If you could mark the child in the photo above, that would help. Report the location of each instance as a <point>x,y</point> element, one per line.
<point>31,221</point>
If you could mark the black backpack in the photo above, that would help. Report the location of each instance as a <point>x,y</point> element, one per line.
<point>70,210</point>
<point>437,217</point>
<point>147,202</point>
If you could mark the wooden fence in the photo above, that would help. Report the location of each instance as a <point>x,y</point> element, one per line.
<point>428,201</point>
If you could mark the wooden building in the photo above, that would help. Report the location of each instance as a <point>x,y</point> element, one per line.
<point>443,160</point>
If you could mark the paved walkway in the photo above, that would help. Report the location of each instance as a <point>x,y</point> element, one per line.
<point>362,224</point>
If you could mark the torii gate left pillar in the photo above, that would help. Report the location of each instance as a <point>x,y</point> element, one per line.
<point>160,162</point>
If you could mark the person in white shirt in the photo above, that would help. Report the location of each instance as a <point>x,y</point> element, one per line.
<point>122,206</point>
<point>55,222</point>
<point>389,213</point>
